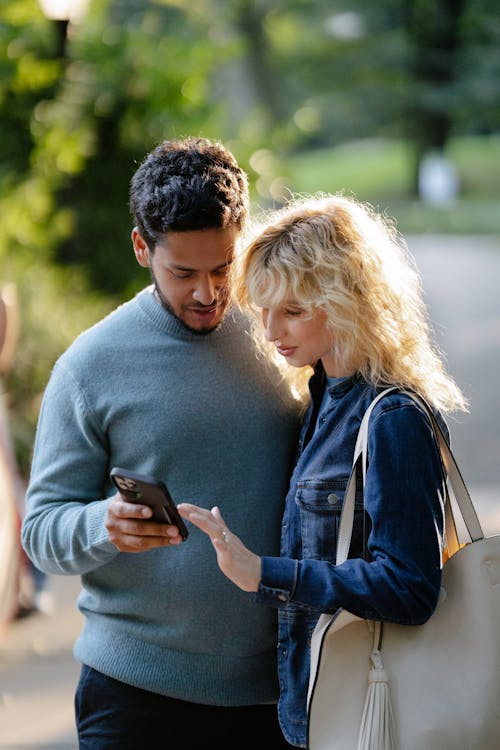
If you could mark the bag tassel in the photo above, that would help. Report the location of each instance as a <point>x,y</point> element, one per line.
<point>377,731</point>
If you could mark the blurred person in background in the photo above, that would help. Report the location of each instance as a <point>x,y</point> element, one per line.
<point>22,585</point>
<point>10,547</point>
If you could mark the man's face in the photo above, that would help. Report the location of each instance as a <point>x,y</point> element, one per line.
<point>189,270</point>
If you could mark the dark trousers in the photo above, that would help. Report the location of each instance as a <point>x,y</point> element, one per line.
<point>114,716</point>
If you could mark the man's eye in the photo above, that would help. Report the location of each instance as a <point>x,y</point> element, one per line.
<point>179,275</point>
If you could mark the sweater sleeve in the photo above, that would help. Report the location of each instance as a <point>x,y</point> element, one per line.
<point>63,529</point>
<point>400,581</point>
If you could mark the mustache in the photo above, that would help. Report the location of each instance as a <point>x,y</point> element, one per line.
<point>220,299</point>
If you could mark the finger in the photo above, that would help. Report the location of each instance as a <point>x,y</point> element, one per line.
<point>199,517</point>
<point>141,528</point>
<point>222,549</point>
<point>208,521</point>
<point>185,509</point>
<point>218,515</point>
<point>224,531</point>
<point>123,509</point>
<point>133,543</point>
<point>151,528</point>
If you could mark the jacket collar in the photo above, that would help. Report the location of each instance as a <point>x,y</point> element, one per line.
<point>318,380</point>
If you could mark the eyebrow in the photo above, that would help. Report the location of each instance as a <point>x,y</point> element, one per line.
<point>186,268</point>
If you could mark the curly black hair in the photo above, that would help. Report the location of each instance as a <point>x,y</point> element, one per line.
<point>186,185</point>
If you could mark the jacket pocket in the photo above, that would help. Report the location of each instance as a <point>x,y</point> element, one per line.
<point>320,507</point>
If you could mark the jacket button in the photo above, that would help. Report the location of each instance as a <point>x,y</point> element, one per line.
<point>332,498</point>
<point>282,597</point>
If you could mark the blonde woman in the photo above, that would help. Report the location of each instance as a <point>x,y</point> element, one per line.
<point>338,293</point>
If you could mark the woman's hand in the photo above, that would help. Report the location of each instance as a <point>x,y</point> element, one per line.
<point>238,563</point>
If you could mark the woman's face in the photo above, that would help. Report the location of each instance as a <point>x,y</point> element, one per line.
<point>301,337</point>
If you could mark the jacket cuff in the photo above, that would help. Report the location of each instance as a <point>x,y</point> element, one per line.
<point>278,580</point>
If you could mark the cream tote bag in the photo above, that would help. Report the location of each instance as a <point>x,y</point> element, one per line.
<point>435,686</point>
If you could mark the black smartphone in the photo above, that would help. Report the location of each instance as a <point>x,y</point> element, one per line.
<point>146,490</point>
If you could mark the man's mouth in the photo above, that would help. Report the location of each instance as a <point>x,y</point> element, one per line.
<point>203,309</point>
<point>205,315</point>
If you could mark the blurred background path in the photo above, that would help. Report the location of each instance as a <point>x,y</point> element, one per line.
<point>461,276</point>
<point>38,674</point>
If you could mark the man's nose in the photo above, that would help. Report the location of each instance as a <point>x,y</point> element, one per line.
<point>205,291</point>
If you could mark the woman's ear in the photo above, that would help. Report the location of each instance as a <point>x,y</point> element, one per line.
<point>141,249</point>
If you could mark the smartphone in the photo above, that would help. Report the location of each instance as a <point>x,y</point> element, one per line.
<point>146,490</point>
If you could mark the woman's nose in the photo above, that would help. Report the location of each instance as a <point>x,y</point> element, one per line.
<point>270,325</point>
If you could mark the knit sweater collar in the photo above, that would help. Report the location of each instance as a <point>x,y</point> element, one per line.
<point>170,324</point>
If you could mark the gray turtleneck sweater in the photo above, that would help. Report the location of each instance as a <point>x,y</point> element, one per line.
<point>207,416</point>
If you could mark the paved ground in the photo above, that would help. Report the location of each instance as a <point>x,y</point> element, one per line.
<point>37,671</point>
<point>461,278</point>
<point>38,675</point>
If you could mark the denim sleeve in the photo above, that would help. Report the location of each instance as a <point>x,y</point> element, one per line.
<point>400,581</point>
<point>278,578</point>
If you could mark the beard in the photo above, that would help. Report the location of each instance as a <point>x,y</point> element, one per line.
<point>168,307</point>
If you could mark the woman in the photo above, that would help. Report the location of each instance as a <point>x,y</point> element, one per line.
<point>338,293</point>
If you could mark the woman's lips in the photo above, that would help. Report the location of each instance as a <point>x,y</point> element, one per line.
<point>286,351</point>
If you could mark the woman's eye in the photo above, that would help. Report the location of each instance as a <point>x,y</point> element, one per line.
<point>293,312</point>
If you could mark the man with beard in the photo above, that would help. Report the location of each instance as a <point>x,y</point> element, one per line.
<point>170,385</point>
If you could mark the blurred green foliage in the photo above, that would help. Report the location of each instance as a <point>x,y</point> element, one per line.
<point>308,95</point>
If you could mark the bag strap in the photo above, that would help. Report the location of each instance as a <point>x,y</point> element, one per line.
<point>461,510</point>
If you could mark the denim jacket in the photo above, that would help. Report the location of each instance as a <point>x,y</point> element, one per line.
<point>393,572</point>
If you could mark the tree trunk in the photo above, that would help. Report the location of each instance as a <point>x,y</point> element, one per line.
<point>433,28</point>
<point>249,22</point>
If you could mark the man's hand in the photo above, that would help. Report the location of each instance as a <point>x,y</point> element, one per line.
<point>130,529</point>
<point>236,561</point>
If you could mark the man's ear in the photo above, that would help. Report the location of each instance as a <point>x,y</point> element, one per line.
<point>141,249</point>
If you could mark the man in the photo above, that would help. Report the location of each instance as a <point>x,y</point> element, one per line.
<point>169,385</point>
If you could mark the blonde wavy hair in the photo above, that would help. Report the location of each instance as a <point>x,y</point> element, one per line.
<point>338,254</point>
